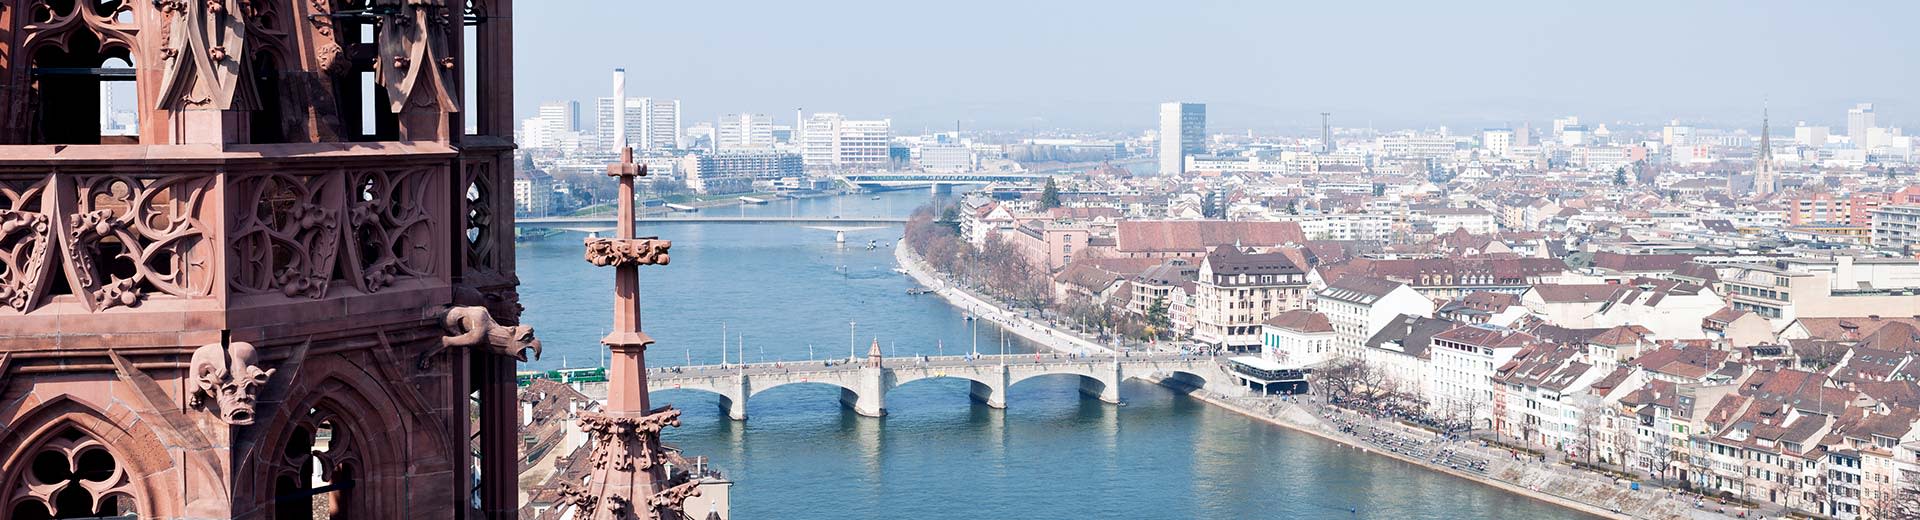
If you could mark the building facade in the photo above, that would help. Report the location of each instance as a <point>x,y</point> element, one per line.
<point>1183,132</point>
<point>283,297</point>
<point>1237,291</point>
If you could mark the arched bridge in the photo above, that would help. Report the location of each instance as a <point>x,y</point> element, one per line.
<point>864,385</point>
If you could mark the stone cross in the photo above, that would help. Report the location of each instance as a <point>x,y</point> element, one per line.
<point>626,252</point>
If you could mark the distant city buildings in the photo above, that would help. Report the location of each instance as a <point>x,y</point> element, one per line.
<point>736,171</point>
<point>745,131</point>
<point>1183,132</point>
<point>834,143</point>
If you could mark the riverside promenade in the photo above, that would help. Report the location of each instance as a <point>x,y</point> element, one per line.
<point>983,308</point>
<point>1556,484</point>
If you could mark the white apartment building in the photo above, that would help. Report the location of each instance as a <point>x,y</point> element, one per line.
<point>751,131</point>
<point>1237,291</point>
<point>662,124</point>
<point>1896,227</point>
<point>947,158</point>
<point>1475,220</point>
<point>833,142</point>
<point>1497,141</point>
<point>1465,359</point>
<point>1345,226</point>
<point>532,192</point>
<point>1183,132</point>
<point>1359,306</point>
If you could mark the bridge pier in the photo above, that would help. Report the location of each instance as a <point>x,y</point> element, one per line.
<point>942,188</point>
<point>840,237</point>
<point>1106,386</point>
<point>870,398</point>
<point>735,405</point>
<point>992,393</point>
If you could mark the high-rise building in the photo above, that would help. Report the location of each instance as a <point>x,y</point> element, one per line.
<point>734,171</point>
<point>1183,132</point>
<point>745,131</point>
<point>662,124</point>
<point>833,142</point>
<point>1497,141</point>
<point>1810,136</point>
<point>551,126</point>
<point>1859,122</point>
<point>631,118</point>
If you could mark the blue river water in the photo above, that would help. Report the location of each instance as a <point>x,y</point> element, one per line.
<point>787,292</point>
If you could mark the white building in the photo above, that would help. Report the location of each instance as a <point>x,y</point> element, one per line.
<point>1359,306</point>
<point>1497,141</point>
<point>753,131</point>
<point>662,125</point>
<point>1475,220</point>
<point>1465,359</point>
<point>947,158</point>
<point>1183,132</point>
<point>634,122</point>
<point>833,142</point>
<point>1297,338</point>
<point>735,171</point>
<point>532,192</point>
<point>1859,122</point>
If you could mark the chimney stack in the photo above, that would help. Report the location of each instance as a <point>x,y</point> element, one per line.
<point>619,110</point>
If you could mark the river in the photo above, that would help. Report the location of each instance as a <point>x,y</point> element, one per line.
<point>790,292</point>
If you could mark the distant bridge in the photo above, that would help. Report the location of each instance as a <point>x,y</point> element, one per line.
<point>604,223</point>
<point>864,385</point>
<point>937,179</point>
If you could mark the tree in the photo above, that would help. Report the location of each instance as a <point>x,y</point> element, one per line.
<point>1050,197</point>
<point>1157,317</point>
<point>1620,176</point>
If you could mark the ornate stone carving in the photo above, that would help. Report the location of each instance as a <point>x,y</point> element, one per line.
<point>73,463</point>
<point>624,442</point>
<point>604,252</point>
<point>25,243</point>
<point>226,379</point>
<point>394,235</point>
<point>204,67</point>
<point>128,238</point>
<point>577,496</point>
<point>474,327</point>
<point>672,502</point>
<point>286,234</point>
<point>419,32</point>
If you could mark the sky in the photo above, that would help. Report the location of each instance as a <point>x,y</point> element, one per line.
<point>1267,66</point>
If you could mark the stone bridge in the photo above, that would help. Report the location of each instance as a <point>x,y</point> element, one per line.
<point>864,386</point>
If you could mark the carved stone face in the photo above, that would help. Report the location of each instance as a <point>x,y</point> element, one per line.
<point>228,379</point>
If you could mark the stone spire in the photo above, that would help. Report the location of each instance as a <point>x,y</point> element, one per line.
<point>629,479</point>
<point>1764,178</point>
<point>873,354</point>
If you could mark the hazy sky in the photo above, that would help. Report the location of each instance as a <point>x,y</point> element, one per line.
<point>1266,65</point>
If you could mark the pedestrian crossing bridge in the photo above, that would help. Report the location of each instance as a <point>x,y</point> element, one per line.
<point>864,384</point>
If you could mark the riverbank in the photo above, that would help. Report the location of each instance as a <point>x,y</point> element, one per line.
<point>1562,487</point>
<point>1033,330</point>
<point>1534,480</point>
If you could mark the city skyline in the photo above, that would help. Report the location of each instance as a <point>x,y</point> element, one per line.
<point>1070,67</point>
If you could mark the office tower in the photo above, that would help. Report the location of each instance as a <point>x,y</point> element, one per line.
<point>833,142</point>
<point>662,124</point>
<point>1859,122</point>
<point>1183,132</point>
<point>745,131</point>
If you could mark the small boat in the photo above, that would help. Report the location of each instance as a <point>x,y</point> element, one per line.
<point>899,270</point>
<point>918,291</point>
<point>876,197</point>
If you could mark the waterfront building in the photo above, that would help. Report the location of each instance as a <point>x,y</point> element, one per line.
<point>1359,306</point>
<point>1465,359</point>
<point>736,171</point>
<point>661,128</point>
<point>1183,132</point>
<point>1237,291</point>
<point>831,142</point>
<point>1541,397</point>
<point>1401,353</point>
<point>251,308</point>
<point>532,191</point>
<point>1297,339</point>
<point>947,158</point>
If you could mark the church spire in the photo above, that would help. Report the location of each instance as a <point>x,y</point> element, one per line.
<point>1765,180</point>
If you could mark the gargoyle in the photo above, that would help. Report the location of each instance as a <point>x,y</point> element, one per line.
<point>226,380</point>
<point>473,327</point>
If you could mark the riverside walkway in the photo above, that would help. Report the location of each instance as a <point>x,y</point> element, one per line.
<point>864,384</point>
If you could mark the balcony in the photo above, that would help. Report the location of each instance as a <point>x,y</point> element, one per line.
<point>171,245</point>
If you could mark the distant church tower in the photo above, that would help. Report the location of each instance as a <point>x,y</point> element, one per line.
<point>1765,180</point>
